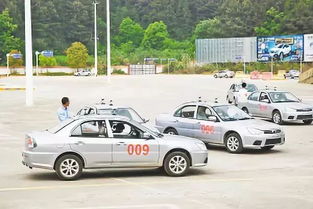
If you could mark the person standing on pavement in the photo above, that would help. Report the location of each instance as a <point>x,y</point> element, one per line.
<point>242,93</point>
<point>63,112</point>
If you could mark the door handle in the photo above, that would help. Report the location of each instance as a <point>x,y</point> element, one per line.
<point>79,143</point>
<point>121,143</point>
<point>175,121</point>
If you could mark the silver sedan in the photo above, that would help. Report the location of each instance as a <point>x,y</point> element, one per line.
<point>221,124</point>
<point>110,142</point>
<point>280,106</point>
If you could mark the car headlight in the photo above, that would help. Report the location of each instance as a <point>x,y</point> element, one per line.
<point>201,145</point>
<point>255,131</point>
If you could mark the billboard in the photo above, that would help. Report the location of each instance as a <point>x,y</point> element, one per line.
<point>308,48</point>
<point>287,48</point>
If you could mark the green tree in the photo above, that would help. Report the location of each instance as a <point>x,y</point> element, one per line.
<point>77,55</point>
<point>47,61</point>
<point>130,31</point>
<point>272,24</point>
<point>155,36</point>
<point>7,40</point>
<point>210,28</point>
<point>13,62</point>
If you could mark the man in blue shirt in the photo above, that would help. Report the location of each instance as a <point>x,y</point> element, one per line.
<point>63,113</point>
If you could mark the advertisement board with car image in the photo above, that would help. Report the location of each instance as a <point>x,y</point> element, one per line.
<point>308,48</point>
<point>288,48</point>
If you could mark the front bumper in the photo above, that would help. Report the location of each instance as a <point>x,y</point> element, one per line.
<point>297,116</point>
<point>263,140</point>
<point>199,159</point>
<point>37,160</point>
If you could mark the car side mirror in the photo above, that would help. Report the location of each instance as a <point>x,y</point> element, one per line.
<point>147,136</point>
<point>212,118</point>
<point>146,120</point>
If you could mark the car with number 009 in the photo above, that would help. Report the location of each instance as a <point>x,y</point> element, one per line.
<point>110,142</point>
<point>221,124</point>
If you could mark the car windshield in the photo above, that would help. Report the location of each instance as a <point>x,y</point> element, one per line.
<point>281,97</point>
<point>231,113</point>
<point>60,126</point>
<point>145,128</point>
<point>126,112</point>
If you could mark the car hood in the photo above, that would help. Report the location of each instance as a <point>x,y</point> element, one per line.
<point>179,139</point>
<point>151,127</point>
<point>253,123</point>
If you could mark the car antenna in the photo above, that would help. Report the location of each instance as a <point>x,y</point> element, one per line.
<point>199,99</point>
<point>111,102</point>
<point>102,101</point>
<point>275,88</point>
<point>216,100</point>
<point>266,87</point>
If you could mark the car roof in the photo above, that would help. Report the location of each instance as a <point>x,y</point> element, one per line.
<point>271,91</point>
<point>203,103</point>
<point>101,117</point>
<point>106,106</point>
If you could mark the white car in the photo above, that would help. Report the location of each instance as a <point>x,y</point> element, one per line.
<point>280,51</point>
<point>85,72</point>
<point>224,74</point>
<point>232,94</point>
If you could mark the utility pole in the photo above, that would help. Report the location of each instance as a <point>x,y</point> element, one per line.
<point>108,42</point>
<point>8,65</point>
<point>28,54</point>
<point>96,39</point>
<point>37,61</point>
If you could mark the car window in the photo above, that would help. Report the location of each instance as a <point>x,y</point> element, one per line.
<point>91,129</point>
<point>254,96</point>
<point>263,97</point>
<point>203,113</point>
<point>122,129</point>
<point>186,111</point>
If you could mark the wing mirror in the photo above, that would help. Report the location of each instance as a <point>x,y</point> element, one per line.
<point>147,136</point>
<point>146,120</point>
<point>212,118</point>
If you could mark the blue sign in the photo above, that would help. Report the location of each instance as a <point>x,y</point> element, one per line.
<point>17,56</point>
<point>47,53</point>
<point>288,48</point>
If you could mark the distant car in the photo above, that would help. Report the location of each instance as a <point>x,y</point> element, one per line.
<point>280,51</point>
<point>224,74</point>
<point>110,109</point>
<point>232,94</point>
<point>85,72</point>
<point>280,106</point>
<point>292,74</point>
<point>221,124</point>
<point>110,142</point>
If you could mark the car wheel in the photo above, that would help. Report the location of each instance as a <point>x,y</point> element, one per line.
<point>171,131</point>
<point>226,76</point>
<point>69,167</point>
<point>276,117</point>
<point>215,76</point>
<point>267,148</point>
<point>307,122</point>
<point>233,143</point>
<point>176,164</point>
<point>245,110</point>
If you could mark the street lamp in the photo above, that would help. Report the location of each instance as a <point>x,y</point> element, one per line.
<point>37,61</point>
<point>108,42</point>
<point>96,39</point>
<point>28,54</point>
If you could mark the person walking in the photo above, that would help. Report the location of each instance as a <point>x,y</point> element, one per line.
<point>63,112</point>
<point>242,94</point>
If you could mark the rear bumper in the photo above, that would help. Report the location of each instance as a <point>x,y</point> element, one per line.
<point>34,160</point>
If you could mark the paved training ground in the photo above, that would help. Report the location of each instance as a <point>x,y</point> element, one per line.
<point>281,178</point>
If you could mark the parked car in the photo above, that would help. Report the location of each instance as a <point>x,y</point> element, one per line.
<point>84,72</point>
<point>292,74</point>
<point>221,124</point>
<point>108,141</point>
<point>280,51</point>
<point>110,109</point>
<point>232,94</point>
<point>224,74</point>
<point>279,106</point>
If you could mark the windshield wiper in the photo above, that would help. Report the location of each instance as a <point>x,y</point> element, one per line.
<point>246,118</point>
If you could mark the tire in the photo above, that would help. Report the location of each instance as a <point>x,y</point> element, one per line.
<point>245,110</point>
<point>233,143</point>
<point>276,117</point>
<point>307,122</point>
<point>176,164</point>
<point>226,76</point>
<point>215,76</point>
<point>74,162</point>
<point>267,148</point>
<point>171,131</point>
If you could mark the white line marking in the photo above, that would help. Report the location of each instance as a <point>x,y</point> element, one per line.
<point>161,206</point>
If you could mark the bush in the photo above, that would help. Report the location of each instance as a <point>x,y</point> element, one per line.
<point>77,55</point>
<point>47,61</point>
<point>61,60</point>
<point>119,72</point>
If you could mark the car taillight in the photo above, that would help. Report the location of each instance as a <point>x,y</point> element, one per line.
<point>30,142</point>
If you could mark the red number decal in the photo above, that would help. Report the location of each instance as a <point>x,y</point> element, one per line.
<point>206,129</point>
<point>138,149</point>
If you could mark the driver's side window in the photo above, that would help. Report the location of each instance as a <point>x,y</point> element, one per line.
<point>122,129</point>
<point>96,128</point>
<point>204,113</point>
<point>264,98</point>
<point>186,111</point>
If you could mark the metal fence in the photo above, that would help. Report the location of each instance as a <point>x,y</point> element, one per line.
<point>141,69</point>
<point>226,50</point>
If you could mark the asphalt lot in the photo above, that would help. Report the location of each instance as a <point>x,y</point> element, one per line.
<point>281,178</point>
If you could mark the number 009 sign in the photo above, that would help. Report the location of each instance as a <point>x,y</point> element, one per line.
<point>138,149</point>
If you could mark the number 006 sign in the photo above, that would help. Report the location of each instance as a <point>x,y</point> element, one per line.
<point>138,149</point>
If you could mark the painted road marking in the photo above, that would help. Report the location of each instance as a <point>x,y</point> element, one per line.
<point>161,206</point>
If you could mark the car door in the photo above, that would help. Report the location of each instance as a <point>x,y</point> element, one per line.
<point>90,139</point>
<point>252,103</point>
<point>131,146</point>
<point>265,106</point>
<point>206,129</point>
<point>184,119</point>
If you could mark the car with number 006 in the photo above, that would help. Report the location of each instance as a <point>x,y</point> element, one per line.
<point>92,142</point>
<point>221,124</point>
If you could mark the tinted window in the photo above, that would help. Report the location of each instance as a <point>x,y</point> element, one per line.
<point>263,96</point>
<point>186,112</point>
<point>122,129</point>
<point>203,113</point>
<point>91,129</point>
